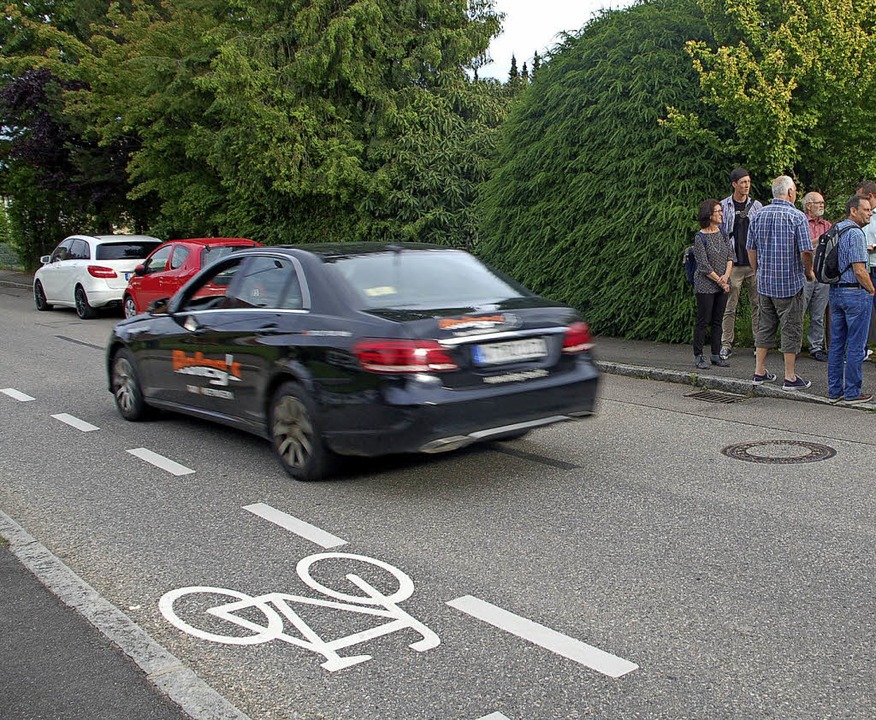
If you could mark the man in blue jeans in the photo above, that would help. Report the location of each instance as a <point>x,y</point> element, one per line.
<point>851,302</point>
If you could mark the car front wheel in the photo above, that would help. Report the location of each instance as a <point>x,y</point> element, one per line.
<point>39,297</point>
<point>126,388</point>
<point>83,309</point>
<point>295,435</point>
<point>130,306</point>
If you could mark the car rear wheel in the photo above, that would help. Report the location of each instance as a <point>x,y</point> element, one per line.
<point>130,306</point>
<point>295,435</point>
<point>39,297</point>
<point>126,388</point>
<point>83,309</point>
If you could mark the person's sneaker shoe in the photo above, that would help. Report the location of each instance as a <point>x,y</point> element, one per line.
<point>819,355</point>
<point>761,379</point>
<point>835,400</point>
<point>719,361</point>
<point>726,352</point>
<point>701,362</point>
<point>797,383</point>
<point>860,399</point>
<point>869,353</point>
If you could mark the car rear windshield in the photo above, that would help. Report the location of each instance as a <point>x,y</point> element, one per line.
<point>125,250</point>
<point>425,279</point>
<point>215,252</point>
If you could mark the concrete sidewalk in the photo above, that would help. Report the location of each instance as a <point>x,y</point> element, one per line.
<point>675,363</point>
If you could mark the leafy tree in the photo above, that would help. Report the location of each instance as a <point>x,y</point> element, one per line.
<point>794,81</point>
<point>294,121</point>
<point>324,110</point>
<point>53,172</point>
<point>592,199</point>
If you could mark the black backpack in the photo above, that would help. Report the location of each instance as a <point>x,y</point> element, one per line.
<point>825,263</point>
<point>689,260</point>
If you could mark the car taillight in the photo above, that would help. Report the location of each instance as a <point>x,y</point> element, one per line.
<point>577,338</point>
<point>403,356</point>
<point>101,272</point>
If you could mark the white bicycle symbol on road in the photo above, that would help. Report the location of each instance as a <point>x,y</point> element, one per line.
<point>277,608</point>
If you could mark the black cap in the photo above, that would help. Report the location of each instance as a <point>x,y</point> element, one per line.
<point>738,174</point>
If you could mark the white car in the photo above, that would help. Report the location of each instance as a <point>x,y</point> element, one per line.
<point>89,271</point>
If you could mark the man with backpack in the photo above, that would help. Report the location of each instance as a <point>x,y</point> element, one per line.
<point>851,304</point>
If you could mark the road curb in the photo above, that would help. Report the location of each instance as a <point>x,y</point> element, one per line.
<point>710,382</point>
<point>163,669</point>
<point>14,284</point>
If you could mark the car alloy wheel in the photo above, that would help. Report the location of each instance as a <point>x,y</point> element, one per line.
<point>39,297</point>
<point>295,436</point>
<point>126,388</point>
<point>130,306</point>
<point>83,309</point>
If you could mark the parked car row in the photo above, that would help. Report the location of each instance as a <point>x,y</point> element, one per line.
<point>104,271</point>
<point>327,350</point>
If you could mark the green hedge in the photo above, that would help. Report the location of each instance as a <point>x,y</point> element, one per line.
<point>592,199</point>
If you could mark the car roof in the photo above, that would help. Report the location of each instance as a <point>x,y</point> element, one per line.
<point>101,239</point>
<point>330,250</point>
<point>214,240</point>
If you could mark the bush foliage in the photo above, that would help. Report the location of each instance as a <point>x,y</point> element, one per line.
<point>593,198</point>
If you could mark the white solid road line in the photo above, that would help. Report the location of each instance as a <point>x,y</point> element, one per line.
<point>556,642</point>
<point>16,395</point>
<point>293,524</point>
<point>75,422</point>
<point>174,468</point>
<point>494,716</point>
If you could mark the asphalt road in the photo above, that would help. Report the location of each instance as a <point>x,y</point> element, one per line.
<point>621,567</point>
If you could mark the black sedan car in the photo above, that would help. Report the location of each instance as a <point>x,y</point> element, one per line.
<point>356,349</point>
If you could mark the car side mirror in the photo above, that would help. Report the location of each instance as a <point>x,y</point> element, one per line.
<point>140,270</point>
<point>158,307</point>
<point>46,259</point>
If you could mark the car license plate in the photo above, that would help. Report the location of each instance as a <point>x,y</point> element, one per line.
<point>507,352</point>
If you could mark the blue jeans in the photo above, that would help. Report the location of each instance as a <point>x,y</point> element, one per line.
<point>850,310</point>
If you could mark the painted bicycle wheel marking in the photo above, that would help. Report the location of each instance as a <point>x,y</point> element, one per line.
<point>277,610</point>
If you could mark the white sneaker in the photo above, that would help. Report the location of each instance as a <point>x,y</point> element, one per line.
<point>725,353</point>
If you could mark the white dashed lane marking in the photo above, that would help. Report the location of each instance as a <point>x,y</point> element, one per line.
<point>174,468</point>
<point>542,636</point>
<point>494,716</point>
<point>292,524</point>
<point>16,395</point>
<point>75,422</point>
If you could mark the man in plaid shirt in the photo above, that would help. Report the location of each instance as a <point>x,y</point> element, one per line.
<point>780,251</point>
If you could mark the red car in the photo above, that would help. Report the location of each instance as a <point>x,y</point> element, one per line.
<point>171,265</point>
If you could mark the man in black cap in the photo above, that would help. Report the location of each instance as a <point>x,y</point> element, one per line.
<point>738,209</point>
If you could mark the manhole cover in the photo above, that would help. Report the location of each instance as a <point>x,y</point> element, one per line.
<point>779,452</point>
<point>715,396</point>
